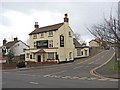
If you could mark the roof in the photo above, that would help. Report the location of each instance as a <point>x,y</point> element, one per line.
<point>40,51</point>
<point>47,28</point>
<point>10,44</point>
<point>76,43</point>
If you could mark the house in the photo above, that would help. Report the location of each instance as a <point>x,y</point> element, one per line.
<point>95,42</point>
<point>17,46</point>
<point>80,50</point>
<point>51,43</point>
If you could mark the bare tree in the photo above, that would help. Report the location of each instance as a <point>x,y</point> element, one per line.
<point>77,36</point>
<point>108,31</point>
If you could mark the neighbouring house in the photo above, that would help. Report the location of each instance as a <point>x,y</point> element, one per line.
<point>51,43</point>
<point>80,50</point>
<point>95,43</point>
<point>17,46</point>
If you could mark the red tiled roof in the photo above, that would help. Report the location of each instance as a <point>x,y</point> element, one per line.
<point>47,28</point>
<point>40,51</point>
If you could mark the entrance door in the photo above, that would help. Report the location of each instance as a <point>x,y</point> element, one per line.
<point>39,58</point>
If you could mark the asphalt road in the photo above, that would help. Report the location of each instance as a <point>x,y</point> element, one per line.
<point>69,75</point>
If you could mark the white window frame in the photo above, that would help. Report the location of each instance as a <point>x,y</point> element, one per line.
<point>51,56</point>
<point>50,43</point>
<point>50,33</point>
<point>41,35</point>
<point>78,52</point>
<point>35,36</point>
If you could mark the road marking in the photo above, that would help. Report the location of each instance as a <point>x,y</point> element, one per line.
<point>77,67</point>
<point>114,80</point>
<point>33,83</point>
<point>90,58</point>
<point>93,71</point>
<point>102,79</point>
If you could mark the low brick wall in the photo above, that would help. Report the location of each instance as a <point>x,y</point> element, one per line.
<point>29,64</point>
<point>8,66</point>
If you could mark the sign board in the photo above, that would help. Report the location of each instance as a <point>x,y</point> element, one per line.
<point>42,44</point>
<point>61,41</point>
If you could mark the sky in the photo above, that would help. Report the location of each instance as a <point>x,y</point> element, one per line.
<point>17,17</point>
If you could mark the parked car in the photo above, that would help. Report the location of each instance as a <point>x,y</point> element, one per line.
<point>21,64</point>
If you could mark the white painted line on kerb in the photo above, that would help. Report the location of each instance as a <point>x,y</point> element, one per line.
<point>33,83</point>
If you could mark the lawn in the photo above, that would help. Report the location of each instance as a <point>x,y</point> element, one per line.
<point>115,67</point>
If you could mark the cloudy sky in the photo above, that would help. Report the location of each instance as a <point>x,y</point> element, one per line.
<point>17,18</point>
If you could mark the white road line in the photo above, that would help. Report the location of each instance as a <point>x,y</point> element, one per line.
<point>33,83</point>
<point>114,80</point>
<point>77,67</point>
<point>91,62</point>
<point>82,78</point>
<point>102,79</point>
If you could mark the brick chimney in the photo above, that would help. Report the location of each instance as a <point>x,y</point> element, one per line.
<point>4,41</point>
<point>16,39</point>
<point>36,25</point>
<point>66,19</point>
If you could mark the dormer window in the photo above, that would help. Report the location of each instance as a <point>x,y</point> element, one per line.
<point>35,36</point>
<point>50,33</point>
<point>41,35</point>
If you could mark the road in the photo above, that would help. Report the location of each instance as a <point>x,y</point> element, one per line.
<point>69,75</point>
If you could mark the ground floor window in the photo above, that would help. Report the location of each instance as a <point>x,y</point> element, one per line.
<point>31,56</point>
<point>70,55</point>
<point>27,55</point>
<point>81,52</point>
<point>85,52</point>
<point>78,52</point>
<point>50,56</point>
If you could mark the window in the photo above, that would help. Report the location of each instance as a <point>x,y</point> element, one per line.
<point>85,52</point>
<point>78,52</point>
<point>81,52</point>
<point>31,56</point>
<point>35,44</point>
<point>41,35</point>
<point>50,43</point>
<point>69,34</point>
<point>35,36</point>
<point>27,55</point>
<point>51,56</point>
<point>50,33</point>
<point>70,55</point>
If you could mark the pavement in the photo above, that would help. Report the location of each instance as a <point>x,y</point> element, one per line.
<point>76,74</point>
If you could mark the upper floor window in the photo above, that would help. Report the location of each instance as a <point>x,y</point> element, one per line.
<point>50,33</point>
<point>50,43</point>
<point>35,36</point>
<point>70,35</point>
<point>41,35</point>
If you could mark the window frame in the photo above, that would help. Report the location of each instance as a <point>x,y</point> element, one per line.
<point>78,52</point>
<point>41,35</point>
<point>51,53</point>
<point>50,34</point>
<point>35,36</point>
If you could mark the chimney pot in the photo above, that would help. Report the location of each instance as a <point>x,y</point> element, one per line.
<point>4,41</point>
<point>36,25</point>
<point>16,39</point>
<point>66,19</point>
